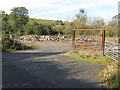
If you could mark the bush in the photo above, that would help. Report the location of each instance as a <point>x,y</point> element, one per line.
<point>10,45</point>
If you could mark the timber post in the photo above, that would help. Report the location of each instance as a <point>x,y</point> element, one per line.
<point>73,39</point>
<point>103,42</point>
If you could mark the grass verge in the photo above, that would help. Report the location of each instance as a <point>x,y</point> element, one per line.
<point>110,76</point>
<point>88,56</point>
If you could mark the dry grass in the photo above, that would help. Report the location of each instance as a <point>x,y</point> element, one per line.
<point>109,76</point>
<point>86,55</point>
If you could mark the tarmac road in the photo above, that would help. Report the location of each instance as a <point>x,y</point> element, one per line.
<point>44,67</point>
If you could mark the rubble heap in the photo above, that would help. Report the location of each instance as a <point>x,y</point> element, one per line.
<point>42,38</point>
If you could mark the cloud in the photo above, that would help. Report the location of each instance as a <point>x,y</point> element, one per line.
<point>65,6</point>
<point>55,7</point>
<point>29,4</point>
<point>36,4</point>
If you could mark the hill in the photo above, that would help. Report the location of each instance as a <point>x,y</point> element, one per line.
<point>42,21</point>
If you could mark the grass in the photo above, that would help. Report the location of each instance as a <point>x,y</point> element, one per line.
<point>88,56</point>
<point>98,60</point>
<point>110,76</point>
<point>10,50</point>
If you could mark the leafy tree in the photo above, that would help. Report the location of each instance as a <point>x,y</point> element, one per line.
<point>19,17</point>
<point>80,21</point>
<point>119,25</point>
<point>98,23</point>
<point>58,28</point>
<point>13,24</point>
<point>112,28</point>
<point>59,22</point>
<point>95,22</point>
<point>5,25</point>
<point>29,29</point>
<point>67,28</point>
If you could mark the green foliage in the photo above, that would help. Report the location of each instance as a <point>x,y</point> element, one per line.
<point>13,25</point>
<point>112,28</point>
<point>9,45</point>
<point>80,21</point>
<point>88,58</point>
<point>58,28</point>
<point>67,30</point>
<point>19,17</point>
<point>43,22</point>
<point>18,23</point>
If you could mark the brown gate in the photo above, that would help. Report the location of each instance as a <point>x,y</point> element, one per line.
<point>91,45</point>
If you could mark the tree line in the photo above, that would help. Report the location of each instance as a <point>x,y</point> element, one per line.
<point>18,23</point>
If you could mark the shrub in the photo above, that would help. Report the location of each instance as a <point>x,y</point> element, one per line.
<point>10,45</point>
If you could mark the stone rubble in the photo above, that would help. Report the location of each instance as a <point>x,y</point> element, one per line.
<point>43,38</point>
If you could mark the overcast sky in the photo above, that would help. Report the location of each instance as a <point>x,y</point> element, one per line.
<point>63,9</point>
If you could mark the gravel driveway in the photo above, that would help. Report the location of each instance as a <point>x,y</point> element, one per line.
<point>45,67</point>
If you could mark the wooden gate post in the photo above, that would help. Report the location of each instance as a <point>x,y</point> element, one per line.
<point>73,39</point>
<point>103,42</point>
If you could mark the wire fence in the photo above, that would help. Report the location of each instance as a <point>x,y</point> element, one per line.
<point>112,50</point>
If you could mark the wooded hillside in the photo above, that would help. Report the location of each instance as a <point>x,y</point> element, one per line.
<point>18,23</point>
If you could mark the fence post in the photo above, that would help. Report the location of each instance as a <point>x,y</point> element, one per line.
<point>73,39</point>
<point>103,42</point>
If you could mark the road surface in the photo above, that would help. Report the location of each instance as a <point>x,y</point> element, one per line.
<point>45,67</point>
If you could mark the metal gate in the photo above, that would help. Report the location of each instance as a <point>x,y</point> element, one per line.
<point>112,50</point>
<point>94,46</point>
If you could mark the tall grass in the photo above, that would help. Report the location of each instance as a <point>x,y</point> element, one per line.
<point>109,77</point>
<point>88,56</point>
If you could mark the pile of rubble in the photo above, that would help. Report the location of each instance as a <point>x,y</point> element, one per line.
<point>42,38</point>
<point>85,39</point>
